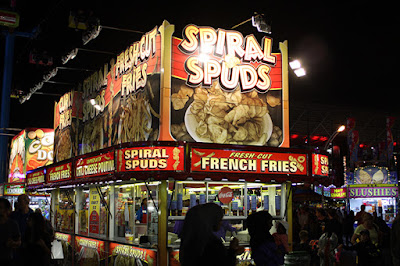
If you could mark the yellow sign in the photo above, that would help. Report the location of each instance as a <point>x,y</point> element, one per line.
<point>94,211</point>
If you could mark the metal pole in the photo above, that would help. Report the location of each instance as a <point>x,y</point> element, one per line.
<point>162,224</point>
<point>5,102</point>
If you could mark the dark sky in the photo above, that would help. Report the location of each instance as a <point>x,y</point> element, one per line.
<point>348,50</point>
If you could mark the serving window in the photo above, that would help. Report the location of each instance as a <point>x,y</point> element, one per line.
<point>237,199</point>
<point>136,217</point>
<point>64,204</point>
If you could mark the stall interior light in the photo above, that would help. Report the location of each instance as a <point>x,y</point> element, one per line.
<point>93,101</point>
<point>98,107</point>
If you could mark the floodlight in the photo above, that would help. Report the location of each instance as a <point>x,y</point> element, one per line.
<point>300,72</point>
<point>295,64</point>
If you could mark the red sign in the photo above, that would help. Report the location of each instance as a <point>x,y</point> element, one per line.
<point>95,165</point>
<point>59,173</point>
<point>145,256</point>
<point>237,161</point>
<point>320,165</point>
<point>90,249</point>
<point>225,195</point>
<point>35,178</point>
<point>157,158</point>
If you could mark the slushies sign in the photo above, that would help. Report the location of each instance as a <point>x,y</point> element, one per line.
<point>228,56</point>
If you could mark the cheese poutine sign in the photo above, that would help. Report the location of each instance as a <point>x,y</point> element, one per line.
<point>254,162</point>
<point>34,178</point>
<point>95,165</point>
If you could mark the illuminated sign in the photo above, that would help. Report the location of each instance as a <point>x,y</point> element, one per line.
<point>237,53</point>
<point>338,193</point>
<point>35,178</point>
<point>150,159</point>
<point>14,189</point>
<point>373,192</point>
<point>237,161</point>
<point>320,165</point>
<point>95,165</point>
<point>149,257</point>
<point>63,237</point>
<point>59,173</point>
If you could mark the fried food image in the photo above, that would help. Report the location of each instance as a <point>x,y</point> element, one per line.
<point>135,121</point>
<point>92,139</point>
<point>179,99</point>
<point>365,178</point>
<point>228,117</point>
<point>64,145</point>
<point>378,177</point>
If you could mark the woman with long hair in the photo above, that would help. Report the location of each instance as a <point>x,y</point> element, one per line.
<point>263,248</point>
<point>199,246</point>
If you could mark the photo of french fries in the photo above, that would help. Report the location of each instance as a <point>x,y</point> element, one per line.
<point>135,122</point>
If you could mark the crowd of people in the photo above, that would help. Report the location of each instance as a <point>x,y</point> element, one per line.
<point>324,235</point>
<point>25,235</point>
<point>335,237</point>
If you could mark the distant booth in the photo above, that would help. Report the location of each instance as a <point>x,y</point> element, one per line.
<point>169,124</point>
<point>31,148</point>
<point>376,188</point>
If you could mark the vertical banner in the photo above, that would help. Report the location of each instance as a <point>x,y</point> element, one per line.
<point>94,211</point>
<point>389,137</point>
<point>352,141</point>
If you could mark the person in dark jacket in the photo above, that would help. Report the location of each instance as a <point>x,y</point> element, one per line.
<point>199,245</point>
<point>10,238</point>
<point>37,244</point>
<point>263,248</point>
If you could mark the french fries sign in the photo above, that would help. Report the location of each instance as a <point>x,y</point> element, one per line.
<point>238,161</point>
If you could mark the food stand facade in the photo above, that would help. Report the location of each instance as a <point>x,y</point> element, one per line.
<point>375,187</point>
<point>176,122</point>
<point>94,215</point>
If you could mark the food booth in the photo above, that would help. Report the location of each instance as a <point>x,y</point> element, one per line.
<point>169,124</point>
<point>376,188</point>
<point>31,148</point>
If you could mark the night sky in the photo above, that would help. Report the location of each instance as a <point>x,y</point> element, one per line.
<point>348,50</point>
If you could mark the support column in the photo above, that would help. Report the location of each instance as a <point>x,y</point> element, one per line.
<point>162,224</point>
<point>5,103</point>
<point>289,212</point>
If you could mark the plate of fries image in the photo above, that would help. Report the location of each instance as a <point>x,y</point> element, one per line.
<point>218,116</point>
<point>135,120</point>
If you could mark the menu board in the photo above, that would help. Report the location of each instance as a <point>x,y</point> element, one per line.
<point>226,88</point>
<point>251,162</point>
<point>59,173</point>
<point>130,255</point>
<point>95,165</point>
<point>30,149</point>
<point>157,158</point>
